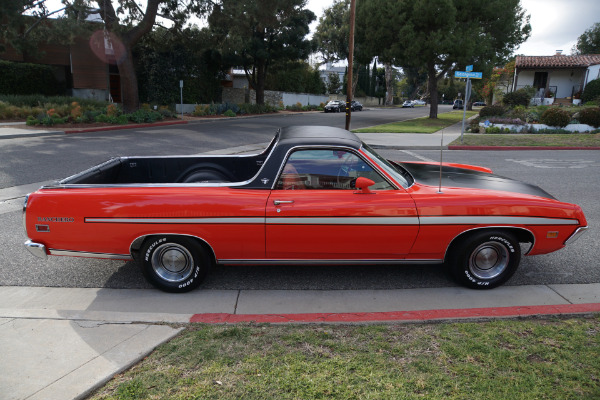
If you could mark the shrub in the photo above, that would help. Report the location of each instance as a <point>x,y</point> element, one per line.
<point>520,97</point>
<point>229,113</point>
<point>140,116</point>
<point>591,91</point>
<point>556,117</point>
<point>590,116</point>
<point>494,110</point>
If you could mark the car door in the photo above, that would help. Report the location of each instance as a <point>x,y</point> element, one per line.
<point>315,213</point>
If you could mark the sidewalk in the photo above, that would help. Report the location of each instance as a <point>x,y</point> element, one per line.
<point>62,343</point>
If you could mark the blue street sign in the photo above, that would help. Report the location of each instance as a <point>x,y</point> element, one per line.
<point>472,75</point>
<point>469,68</point>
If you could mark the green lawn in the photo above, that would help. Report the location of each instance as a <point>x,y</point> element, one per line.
<point>505,359</point>
<point>560,140</point>
<point>419,125</point>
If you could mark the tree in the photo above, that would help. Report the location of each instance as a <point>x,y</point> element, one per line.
<point>255,33</point>
<point>334,83</point>
<point>123,28</point>
<point>441,35</point>
<point>333,31</point>
<point>589,41</point>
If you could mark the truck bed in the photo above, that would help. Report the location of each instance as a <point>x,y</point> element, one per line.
<point>164,170</point>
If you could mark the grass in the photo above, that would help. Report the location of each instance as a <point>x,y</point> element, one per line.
<point>419,125</point>
<point>538,140</point>
<point>524,359</point>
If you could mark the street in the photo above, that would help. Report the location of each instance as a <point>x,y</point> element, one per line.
<point>570,176</point>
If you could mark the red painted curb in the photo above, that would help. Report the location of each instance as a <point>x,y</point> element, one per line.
<point>119,127</point>
<point>520,148</point>
<point>424,315</point>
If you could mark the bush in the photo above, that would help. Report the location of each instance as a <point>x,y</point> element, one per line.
<point>520,97</point>
<point>591,91</point>
<point>145,116</point>
<point>590,116</point>
<point>23,78</point>
<point>494,110</point>
<point>229,113</point>
<point>556,117</point>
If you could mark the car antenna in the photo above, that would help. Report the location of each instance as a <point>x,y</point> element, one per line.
<point>441,159</point>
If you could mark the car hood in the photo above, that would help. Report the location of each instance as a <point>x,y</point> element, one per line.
<point>429,174</point>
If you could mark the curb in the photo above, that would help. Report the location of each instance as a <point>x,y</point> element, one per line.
<point>521,148</point>
<point>121,127</point>
<point>400,316</point>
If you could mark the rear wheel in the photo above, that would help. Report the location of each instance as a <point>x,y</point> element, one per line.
<point>174,263</point>
<point>485,260</point>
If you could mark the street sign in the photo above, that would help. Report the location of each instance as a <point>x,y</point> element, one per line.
<point>469,68</point>
<point>472,75</point>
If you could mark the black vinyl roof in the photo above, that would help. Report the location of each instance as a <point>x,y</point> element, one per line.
<point>317,135</point>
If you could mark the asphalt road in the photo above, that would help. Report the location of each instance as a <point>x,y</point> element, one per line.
<point>571,176</point>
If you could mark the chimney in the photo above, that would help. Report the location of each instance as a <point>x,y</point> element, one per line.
<point>558,53</point>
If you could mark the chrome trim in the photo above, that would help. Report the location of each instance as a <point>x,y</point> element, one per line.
<point>491,227</point>
<point>24,213</point>
<point>480,220</point>
<point>344,220</point>
<point>74,253</point>
<point>352,150</point>
<point>233,220</point>
<point>329,262</point>
<point>136,244</point>
<point>278,202</point>
<point>576,235</point>
<point>37,249</point>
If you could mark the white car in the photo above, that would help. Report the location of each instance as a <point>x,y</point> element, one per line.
<point>408,104</point>
<point>419,102</point>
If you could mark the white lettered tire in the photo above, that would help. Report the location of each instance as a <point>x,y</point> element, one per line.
<point>485,260</point>
<point>174,263</point>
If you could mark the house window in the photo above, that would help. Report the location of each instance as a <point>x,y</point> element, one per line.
<point>540,80</point>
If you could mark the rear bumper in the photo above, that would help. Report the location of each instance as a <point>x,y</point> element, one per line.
<point>37,249</point>
<point>580,231</point>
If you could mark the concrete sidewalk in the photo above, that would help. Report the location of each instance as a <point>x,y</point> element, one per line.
<point>62,343</point>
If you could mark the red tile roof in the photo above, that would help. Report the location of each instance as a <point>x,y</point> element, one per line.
<point>558,61</point>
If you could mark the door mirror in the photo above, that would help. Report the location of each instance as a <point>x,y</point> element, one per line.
<point>363,184</point>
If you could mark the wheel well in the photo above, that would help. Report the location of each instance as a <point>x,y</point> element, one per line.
<point>137,244</point>
<point>521,234</point>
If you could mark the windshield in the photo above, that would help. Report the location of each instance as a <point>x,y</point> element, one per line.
<point>401,175</point>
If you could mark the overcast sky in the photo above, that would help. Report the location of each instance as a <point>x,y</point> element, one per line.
<point>556,24</point>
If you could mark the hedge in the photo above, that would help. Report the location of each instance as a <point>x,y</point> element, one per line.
<point>24,78</point>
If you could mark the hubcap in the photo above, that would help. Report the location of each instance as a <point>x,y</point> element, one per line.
<point>172,262</point>
<point>488,260</point>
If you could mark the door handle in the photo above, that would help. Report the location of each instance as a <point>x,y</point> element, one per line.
<point>278,202</point>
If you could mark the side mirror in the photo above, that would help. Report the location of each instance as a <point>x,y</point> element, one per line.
<point>363,184</point>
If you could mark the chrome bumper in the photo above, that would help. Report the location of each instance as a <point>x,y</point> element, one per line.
<point>580,231</point>
<point>37,249</point>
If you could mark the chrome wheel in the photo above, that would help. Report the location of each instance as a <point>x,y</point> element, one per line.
<point>489,260</point>
<point>172,262</point>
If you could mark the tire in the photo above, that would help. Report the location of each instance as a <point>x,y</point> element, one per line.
<point>174,264</point>
<point>485,260</point>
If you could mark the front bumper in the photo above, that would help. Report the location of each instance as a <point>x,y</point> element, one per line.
<point>37,249</point>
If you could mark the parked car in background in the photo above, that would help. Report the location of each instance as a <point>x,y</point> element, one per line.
<point>334,106</point>
<point>356,105</point>
<point>419,102</point>
<point>407,104</point>
<point>479,104</point>
<point>458,104</point>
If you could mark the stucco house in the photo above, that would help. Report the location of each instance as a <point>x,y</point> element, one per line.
<point>558,78</point>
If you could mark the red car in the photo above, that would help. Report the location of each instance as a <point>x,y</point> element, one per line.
<point>316,195</point>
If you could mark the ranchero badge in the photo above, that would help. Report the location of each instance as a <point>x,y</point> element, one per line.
<point>264,181</point>
<point>56,219</point>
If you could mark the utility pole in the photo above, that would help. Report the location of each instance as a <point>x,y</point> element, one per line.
<point>350,62</point>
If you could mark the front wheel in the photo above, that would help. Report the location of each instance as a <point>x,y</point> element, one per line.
<point>485,260</point>
<point>173,263</point>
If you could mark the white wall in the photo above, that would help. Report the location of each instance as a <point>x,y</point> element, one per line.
<point>594,73</point>
<point>565,80</point>
<point>305,99</point>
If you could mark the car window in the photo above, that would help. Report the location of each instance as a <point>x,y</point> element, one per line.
<point>327,169</point>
